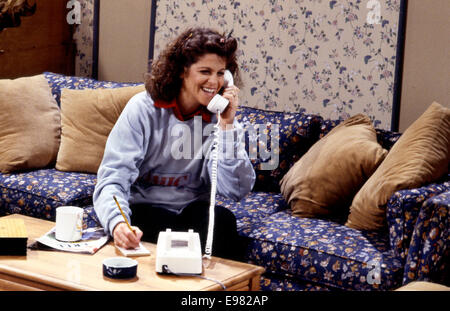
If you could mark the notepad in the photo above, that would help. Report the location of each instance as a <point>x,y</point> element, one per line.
<point>139,251</point>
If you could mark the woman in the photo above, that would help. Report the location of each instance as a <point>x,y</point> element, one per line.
<point>156,160</point>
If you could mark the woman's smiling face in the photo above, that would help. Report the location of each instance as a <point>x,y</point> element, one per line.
<point>201,81</point>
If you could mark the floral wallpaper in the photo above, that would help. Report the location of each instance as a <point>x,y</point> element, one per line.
<point>84,39</point>
<point>328,57</point>
<point>332,58</point>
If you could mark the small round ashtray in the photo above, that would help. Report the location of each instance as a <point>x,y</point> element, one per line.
<point>120,267</point>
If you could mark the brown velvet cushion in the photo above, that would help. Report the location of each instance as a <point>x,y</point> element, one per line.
<point>29,124</point>
<point>87,117</point>
<point>420,156</point>
<point>324,181</point>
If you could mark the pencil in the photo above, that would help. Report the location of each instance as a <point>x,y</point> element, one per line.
<point>123,215</point>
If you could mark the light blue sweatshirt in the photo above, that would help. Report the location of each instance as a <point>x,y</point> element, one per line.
<point>153,157</point>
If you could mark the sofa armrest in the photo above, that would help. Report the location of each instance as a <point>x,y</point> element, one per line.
<point>402,211</point>
<point>429,251</point>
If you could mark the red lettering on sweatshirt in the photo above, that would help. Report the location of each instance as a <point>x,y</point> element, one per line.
<point>167,180</point>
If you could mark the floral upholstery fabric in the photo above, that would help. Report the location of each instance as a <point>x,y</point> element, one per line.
<point>327,125</point>
<point>283,283</point>
<point>402,211</point>
<point>429,250</point>
<point>90,219</point>
<point>387,138</point>
<point>253,206</point>
<point>294,133</point>
<point>37,193</point>
<point>315,250</point>
<point>58,81</point>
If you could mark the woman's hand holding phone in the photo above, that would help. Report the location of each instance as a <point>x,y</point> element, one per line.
<point>231,93</point>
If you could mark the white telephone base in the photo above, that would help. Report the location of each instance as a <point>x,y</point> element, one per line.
<point>178,252</point>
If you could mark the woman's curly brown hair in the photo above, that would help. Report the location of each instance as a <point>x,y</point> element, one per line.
<point>164,82</point>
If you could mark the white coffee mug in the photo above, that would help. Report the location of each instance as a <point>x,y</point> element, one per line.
<point>69,223</point>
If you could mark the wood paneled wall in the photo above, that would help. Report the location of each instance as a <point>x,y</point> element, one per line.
<point>43,42</point>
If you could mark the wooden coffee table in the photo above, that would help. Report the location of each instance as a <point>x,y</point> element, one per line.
<point>55,270</point>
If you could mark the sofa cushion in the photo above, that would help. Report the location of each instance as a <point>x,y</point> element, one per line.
<point>37,193</point>
<point>27,141</point>
<point>57,82</point>
<point>87,117</point>
<point>324,181</point>
<point>254,206</point>
<point>275,141</point>
<point>320,251</point>
<point>420,156</point>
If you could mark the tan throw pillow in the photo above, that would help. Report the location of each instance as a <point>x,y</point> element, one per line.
<point>29,124</point>
<point>324,181</point>
<point>420,156</point>
<point>87,117</point>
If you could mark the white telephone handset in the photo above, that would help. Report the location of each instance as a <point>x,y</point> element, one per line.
<point>219,103</point>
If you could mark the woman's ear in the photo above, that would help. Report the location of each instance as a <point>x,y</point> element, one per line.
<point>184,73</point>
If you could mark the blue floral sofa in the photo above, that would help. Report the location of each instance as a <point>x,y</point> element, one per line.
<point>297,253</point>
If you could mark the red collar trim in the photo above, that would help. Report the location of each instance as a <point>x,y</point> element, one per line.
<point>206,115</point>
